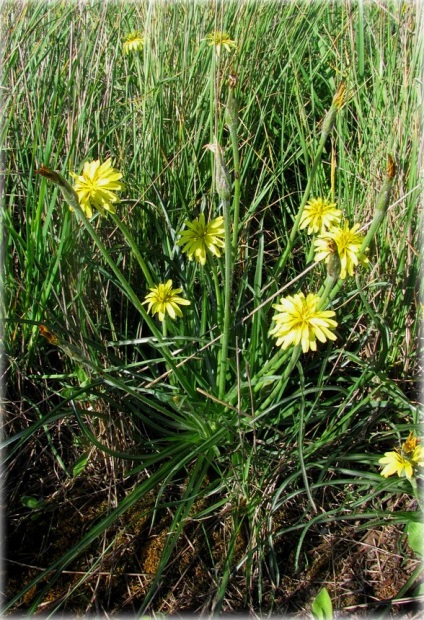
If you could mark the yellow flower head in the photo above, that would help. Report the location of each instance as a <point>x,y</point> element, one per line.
<point>404,462</point>
<point>164,299</point>
<point>96,187</point>
<point>220,39</point>
<point>410,444</point>
<point>319,214</point>
<point>134,42</point>
<point>200,237</point>
<point>395,463</point>
<point>348,242</point>
<point>300,322</point>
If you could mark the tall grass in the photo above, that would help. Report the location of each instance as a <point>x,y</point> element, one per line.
<point>242,453</point>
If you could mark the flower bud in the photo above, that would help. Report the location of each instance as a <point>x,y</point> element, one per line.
<point>334,266</point>
<point>231,111</point>
<point>67,190</point>
<point>383,199</point>
<point>222,176</point>
<point>330,117</point>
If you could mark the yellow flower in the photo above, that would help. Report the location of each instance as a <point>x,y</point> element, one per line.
<point>300,322</point>
<point>418,456</point>
<point>348,242</point>
<point>410,444</point>
<point>133,42</point>
<point>405,462</point>
<point>319,214</point>
<point>96,187</point>
<point>164,299</point>
<point>200,237</point>
<point>220,39</point>
<point>395,463</point>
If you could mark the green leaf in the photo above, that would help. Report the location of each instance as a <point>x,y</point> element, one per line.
<point>80,464</point>
<point>32,502</point>
<point>322,609</point>
<point>415,531</point>
<point>419,591</point>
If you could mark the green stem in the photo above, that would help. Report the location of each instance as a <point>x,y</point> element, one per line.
<point>218,295</point>
<point>231,115</point>
<point>281,385</point>
<point>212,98</point>
<point>311,251</point>
<point>325,290</point>
<point>230,246</point>
<point>130,240</point>
<point>270,368</point>
<point>228,277</point>
<point>205,308</point>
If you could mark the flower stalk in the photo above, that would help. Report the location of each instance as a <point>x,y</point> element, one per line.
<point>228,279</point>
<point>279,388</point>
<point>130,240</point>
<point>324,292</point>
<point>223,189</point>
<point>231,119</point>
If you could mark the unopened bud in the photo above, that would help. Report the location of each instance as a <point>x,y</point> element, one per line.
<point>232,80</point>
<point>383,199</point>
<point>391,167</point>
<point>334,266</point>
<point>330,117</point>
<point>222,176</point>
<point>231,112</point>
<point>67,190</point>
<point>339,97</point>
<point>46,333</point>
<point>381,204</point>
